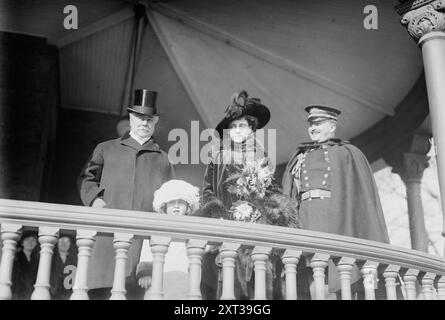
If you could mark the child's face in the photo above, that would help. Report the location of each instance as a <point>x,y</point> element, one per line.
<point>176,207</point>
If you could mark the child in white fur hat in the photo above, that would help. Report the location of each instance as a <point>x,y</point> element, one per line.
<point>175,197</point>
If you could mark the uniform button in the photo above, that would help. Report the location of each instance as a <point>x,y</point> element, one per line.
<point>326,175</point>
<point>328,168</point>
<point>323,183</point>
<point>304,171</point>
<point>306,178</point>
<point>307,184</point>
<point>325,152</point>
<point>304,165</point>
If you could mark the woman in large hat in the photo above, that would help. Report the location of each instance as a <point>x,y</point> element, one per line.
<point>236,130</point>
<point>239,147</point>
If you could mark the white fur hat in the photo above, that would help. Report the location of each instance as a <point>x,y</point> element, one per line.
<point>174,190</point>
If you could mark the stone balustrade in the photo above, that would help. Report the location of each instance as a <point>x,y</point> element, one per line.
<point>422,275</point>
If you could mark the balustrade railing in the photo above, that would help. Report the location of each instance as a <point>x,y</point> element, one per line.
<point>423,274</point>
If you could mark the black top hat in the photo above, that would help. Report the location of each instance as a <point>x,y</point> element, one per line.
<point>242,106</point>
<point>318,111</point>
<point>144,102</point>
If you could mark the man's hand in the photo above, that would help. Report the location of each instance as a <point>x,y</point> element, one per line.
<point>98,203</point>
<point>145,282</point>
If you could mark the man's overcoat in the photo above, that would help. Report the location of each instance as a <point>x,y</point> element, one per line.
<point>125,174</point>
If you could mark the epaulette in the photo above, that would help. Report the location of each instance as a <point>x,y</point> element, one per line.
<point>313,144</point>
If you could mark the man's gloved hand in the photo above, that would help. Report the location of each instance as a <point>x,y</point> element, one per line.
<point>145,282</point>
<point>98,203</point>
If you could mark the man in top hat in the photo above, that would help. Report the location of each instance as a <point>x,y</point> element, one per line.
<point>123,174</point>
<point>334,184</point>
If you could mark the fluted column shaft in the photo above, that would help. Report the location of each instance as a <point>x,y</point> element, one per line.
<point>426,24</point>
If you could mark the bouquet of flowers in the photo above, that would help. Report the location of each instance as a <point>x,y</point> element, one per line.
<point>260,200</point>
<point>252,180</point>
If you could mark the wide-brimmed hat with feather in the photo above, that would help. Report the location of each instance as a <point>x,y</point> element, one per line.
<point>241,105</point>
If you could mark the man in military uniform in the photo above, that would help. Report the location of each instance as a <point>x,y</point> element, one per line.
<point>334,184</point>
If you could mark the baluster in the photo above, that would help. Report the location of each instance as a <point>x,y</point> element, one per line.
<point>159,247</point>
<point>369,274</point>
<point>440,283</point>
<point>318,264</point>
<point>410,279</point>
<point>195,250</point>
<point>290,260</point>
<point>10,234</point>
<point>47,238</point>
<point>121,244</point>
<point>85,240</point>
<point>260,256</point>
<point>344,268</point>
<point>228,254</point>
<point>427,281</point>
<point>390,274</point>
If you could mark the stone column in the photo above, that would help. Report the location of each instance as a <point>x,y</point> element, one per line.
<point>159,248</point>
<point>290,260</point>
<point>425,22</point>
<point>85,243</point>
<point>260,257</point>
<point>410,278</point>
<point>48,238</point>
<point>369,273</point>
<point>390,274</point>
<point>318,263</point>
<point>10,234</point>
<point>414,165</point>
<point>195,251</point>
<point>121,244</point>
<point>228,253</point>
<point>344,267</point>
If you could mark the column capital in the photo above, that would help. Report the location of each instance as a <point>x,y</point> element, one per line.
<point>422,17</point>
<point>414,165</point>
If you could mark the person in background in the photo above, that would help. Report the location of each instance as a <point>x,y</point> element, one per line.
<point>26,264</point>
<point>63,268</point>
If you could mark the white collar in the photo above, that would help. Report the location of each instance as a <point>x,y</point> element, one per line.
<point>139,140</point>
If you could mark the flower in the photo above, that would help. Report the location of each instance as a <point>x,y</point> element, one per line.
<point>242,211</point>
